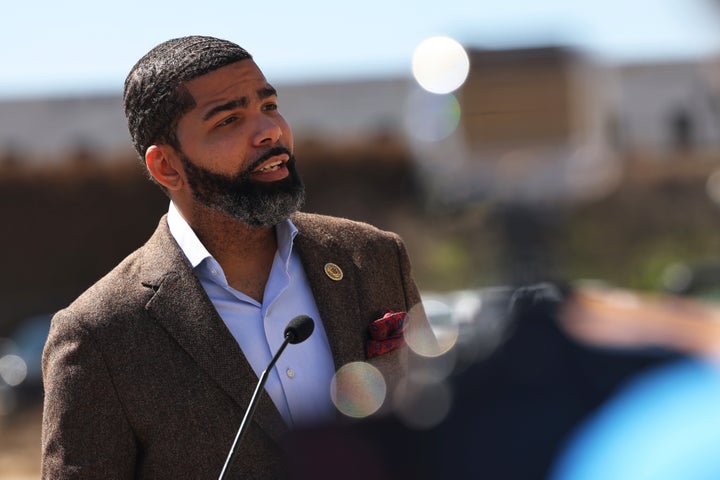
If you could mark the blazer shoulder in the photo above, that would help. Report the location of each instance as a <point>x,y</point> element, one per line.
<point>128,286</point>
<point>338,230</point>
<point>114,292</point>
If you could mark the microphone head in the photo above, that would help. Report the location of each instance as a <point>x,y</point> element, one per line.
<point>299,329</point>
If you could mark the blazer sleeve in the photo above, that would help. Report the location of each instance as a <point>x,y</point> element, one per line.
<point>420,329</point>
<point>412,295</point>
<point>85,433</point>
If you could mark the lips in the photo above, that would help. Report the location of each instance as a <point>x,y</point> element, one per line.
<point>273,163</point>
<point>271,169</point>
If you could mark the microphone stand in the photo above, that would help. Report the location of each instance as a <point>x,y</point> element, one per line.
<point>253,404</point>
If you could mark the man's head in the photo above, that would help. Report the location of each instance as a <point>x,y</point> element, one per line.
<point>154,98</point>
<point>206,123</point>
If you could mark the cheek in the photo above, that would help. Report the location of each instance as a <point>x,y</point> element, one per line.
<point>219,156</point>
<point>287,136</point>
<point>209,146</point>
<point>231,145</point>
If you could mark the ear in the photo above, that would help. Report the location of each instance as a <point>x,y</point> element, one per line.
<point>162,163</point>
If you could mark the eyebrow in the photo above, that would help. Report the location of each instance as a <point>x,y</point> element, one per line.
<point>242,102</point>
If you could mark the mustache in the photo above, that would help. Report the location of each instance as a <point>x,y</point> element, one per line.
<point>267,155</point>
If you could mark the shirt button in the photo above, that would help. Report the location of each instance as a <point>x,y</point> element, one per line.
<point>290,373</point>
<point>213,271</point>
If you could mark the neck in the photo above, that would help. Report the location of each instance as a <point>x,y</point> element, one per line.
<point>244,252</point>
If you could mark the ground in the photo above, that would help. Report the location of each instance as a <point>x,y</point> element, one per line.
<point>20,445</point>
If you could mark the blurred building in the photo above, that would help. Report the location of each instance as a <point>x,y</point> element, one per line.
<point>531,123</point>
<point>531,129</point>
<point>521,101</point>
<point>519,97</point>
<point>664,108</point>
<point>332,113</point>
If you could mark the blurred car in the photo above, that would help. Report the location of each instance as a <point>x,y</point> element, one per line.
<point>469,322</point>
<point>699,280</point>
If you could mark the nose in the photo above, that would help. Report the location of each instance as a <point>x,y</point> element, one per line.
<point>268,132</point>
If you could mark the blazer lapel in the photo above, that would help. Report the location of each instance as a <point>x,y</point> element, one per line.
<point>183,309</point>
<point>337,300</point>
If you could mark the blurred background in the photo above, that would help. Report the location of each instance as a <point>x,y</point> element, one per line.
<point>507,142</point>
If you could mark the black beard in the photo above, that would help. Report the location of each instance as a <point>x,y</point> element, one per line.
<point>253,203</point>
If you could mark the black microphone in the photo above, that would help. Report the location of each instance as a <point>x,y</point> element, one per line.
<point>298,330</point>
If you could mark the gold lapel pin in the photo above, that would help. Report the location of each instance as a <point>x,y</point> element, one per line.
<point>333,271</point>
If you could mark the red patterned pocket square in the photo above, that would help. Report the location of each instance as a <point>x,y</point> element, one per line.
<point>386,333</point>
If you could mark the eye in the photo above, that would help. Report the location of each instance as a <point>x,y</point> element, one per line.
<point>227,121</point>
<point>270,106</point>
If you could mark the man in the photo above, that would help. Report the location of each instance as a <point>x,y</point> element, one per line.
<point>149,372</point>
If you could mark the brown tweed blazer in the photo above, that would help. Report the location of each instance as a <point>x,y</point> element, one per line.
<point>143,380</point>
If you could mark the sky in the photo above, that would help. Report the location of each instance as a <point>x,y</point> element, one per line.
<point>78,47</point>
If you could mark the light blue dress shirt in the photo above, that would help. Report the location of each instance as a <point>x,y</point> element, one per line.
<point>299,385</point>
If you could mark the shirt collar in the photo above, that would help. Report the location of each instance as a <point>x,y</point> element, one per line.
<point>196,252</point>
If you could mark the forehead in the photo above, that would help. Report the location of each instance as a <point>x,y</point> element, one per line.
<point>240,79</point>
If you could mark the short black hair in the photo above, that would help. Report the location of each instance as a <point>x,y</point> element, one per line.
<point>155,98</point>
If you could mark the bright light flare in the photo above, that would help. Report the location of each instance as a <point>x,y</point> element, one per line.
<point>440,65</point>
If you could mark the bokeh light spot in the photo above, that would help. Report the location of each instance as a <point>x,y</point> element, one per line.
<point>422,404</point>
<point>440,65</point>
<point>431,118</point>
<point>13,370</point>
<point>712,187</point>
<point>358,389</point>
<point>444,336</point>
